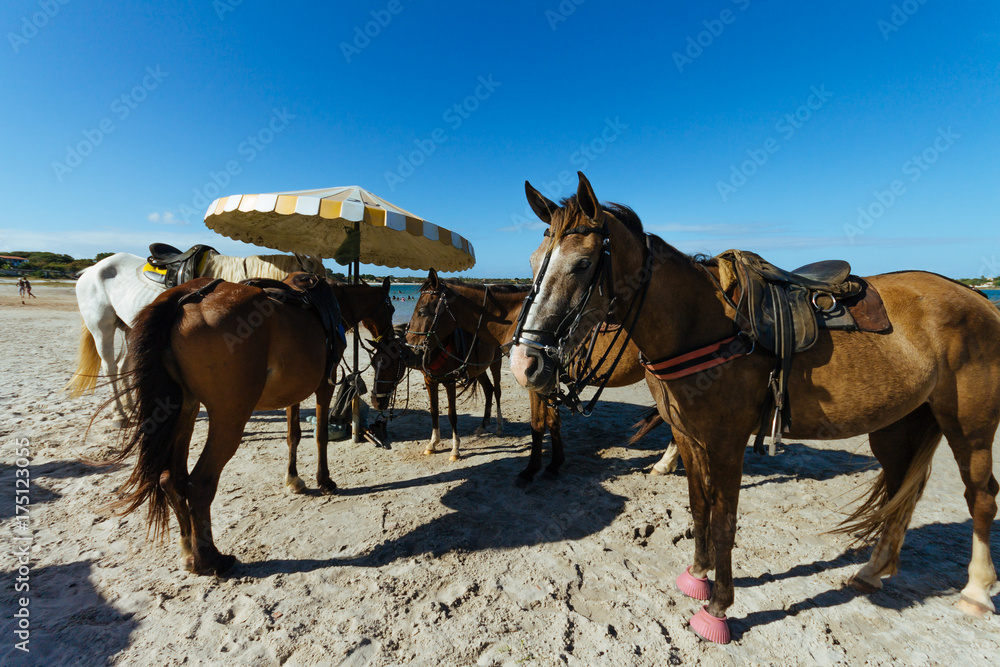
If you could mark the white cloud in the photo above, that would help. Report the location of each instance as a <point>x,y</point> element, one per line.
<point>165,218</point>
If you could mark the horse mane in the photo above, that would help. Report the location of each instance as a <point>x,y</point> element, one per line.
<point>235,269</point>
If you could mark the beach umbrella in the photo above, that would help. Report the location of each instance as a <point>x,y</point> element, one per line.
<point>348,224</point>
<point>320,223</point>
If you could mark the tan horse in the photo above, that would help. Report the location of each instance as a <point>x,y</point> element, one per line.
<point>446,305</point>
<point>935,372</point>
<point>234,350</point>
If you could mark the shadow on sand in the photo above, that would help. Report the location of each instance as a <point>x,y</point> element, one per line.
<point>930,566</point>
<point>70,622</point>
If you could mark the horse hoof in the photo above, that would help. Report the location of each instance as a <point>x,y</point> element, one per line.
<point>187,562</point>
<point>863,585</point>
<point>710,627</point>
<point>693,587</point>
<point>974,608</point>
<point>327,488</point>
<point>295,485</point>
<point>119,422</point>
<point>428,452</point>
<point>454,457</point>
<point>480,431</point>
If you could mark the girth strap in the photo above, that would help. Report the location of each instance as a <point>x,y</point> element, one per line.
<point>700,359</point>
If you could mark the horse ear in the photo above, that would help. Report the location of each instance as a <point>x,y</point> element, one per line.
<point>386,284</point>
<point>542,207</point>
<point>587,199</point>
<point>432,278</point>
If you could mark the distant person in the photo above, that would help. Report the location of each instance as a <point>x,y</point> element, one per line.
<point>27,290</point>
<point>20,287</point>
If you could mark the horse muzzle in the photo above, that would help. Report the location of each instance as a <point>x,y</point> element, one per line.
<point>533,369</point>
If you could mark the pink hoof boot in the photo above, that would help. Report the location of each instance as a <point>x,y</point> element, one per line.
<point>709,627</point>
<point>693,587</point>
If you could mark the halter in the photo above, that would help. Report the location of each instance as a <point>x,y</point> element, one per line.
<point>559,353</point>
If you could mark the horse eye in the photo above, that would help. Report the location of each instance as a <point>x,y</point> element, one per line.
<point>582,265</point>
<point>422,312</point>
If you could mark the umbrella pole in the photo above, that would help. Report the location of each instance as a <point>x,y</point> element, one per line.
<point>356,403</point>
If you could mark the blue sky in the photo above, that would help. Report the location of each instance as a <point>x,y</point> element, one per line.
<point>865,130</point>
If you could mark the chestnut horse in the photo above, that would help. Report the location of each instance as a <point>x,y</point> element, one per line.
<point>370,306</point>
<point>493,317</point>
<point>452,358</point>
<point>934,372</point>
<point>235,350</point>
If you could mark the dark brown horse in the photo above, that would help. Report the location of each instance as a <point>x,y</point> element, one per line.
<point>233,349</point>
<point>452,358</point>
<point>491,316</point>
<point>934,372</point>
<point>369,306</point>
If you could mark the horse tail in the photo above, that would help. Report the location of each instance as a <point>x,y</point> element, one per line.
<point>155,413</point>
<point>649,421</point>
<point>84,381</point>
<point>867,520</point>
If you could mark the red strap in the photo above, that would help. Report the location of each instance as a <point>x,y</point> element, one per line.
<point>696,361</point>
<point>447,353</point>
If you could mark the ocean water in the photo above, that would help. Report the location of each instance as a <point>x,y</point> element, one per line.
<point>404,298</point>
<point>993,294</point>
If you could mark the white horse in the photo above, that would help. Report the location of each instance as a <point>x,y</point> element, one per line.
<point>112,292</point>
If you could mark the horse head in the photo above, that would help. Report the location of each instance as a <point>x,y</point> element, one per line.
<point>572,285</point>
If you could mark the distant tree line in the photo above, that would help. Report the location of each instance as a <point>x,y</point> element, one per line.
<point>50,264</point>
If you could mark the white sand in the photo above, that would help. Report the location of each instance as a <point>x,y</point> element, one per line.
<point>423,561</point>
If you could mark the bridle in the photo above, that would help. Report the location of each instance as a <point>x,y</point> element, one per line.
<point>561,353</point>
<point>423,349</point>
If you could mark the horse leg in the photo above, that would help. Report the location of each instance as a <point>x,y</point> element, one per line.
<point>432,393</point>
<point>896,447</point>
<point>104,339</point>
<point>668,463</point>
<point>495,371</point>
<point>324,394</point>
<point>174,480</point>
<point>294,436</point>
<point>449,390</point>
<point>693,582</point>
<point>538,409</point>
<point>725,469</point>
<point>225,431</point>
<point>487,386</point>
<point>971,440</point>
<point>554,422</point>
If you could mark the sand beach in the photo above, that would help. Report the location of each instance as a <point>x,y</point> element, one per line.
<point>422,561</point>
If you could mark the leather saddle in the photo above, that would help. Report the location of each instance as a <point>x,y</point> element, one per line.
<point>784,311</point>
<point>170,267</point>
<point>310,292</point>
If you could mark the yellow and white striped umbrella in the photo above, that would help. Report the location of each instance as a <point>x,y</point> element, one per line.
<point>316,222</point>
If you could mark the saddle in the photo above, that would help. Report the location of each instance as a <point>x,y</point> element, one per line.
<point>168,266</point>
<point>784,310</point>
<point>310,292</point>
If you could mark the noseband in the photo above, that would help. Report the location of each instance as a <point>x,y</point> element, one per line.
<point>424,347</point>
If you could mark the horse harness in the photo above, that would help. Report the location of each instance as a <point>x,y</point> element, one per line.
<point>563,357</point>
<point>458,348</point>
<point>781,312</point>
<point>309,292</point>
